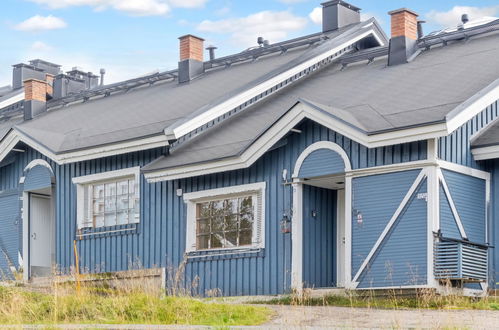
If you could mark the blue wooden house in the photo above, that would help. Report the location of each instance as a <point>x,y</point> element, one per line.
<point>344,158</point>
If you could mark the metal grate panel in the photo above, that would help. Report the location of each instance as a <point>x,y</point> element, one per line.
<point>457,260</point>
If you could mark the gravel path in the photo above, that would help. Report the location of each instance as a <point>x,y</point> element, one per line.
<point>294,317</point>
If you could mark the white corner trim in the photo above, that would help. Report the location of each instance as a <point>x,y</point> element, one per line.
<point>222,108</point>
<point>423,174</point>
<point>453,208</point>
<point>433,221</point>
<point>206,195</point>
<point>317,146</point>
<point>297,239</point>
<point>39,162</point>
<point>471,107</point>
<point>110,175</point>
<point>12,100</point>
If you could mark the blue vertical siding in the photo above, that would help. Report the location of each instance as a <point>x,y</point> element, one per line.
<point>159,239</point>
<point>375,198</point>
<point>493,224</point>
<point>468,194</point>
<point>319,237</point>
<point>9,234</point>
<point>455,147</point>
<point>448,224</point>
<point>401,260</point>
<point>39,177</point>
<point>322,162</point>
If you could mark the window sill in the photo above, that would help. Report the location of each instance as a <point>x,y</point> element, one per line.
<point>208,255</point>
<point>90,233</point>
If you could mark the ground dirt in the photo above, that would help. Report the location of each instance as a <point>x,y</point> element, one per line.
<point>354,318</point>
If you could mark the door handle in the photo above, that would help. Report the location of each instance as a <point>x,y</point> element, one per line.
<point>33,236</point>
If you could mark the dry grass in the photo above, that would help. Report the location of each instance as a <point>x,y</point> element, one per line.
<point>391,299</point>
<point>104,304</point>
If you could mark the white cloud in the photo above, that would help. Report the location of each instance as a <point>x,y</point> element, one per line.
<point>453,17</point>
<point>41,23</point>
<point>188,3</point>
<point>243,31</point>
<point>316,15</point>
<point>132,7</point>
<point>40,46</point>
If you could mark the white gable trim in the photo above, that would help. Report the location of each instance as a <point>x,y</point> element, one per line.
<point>484,153</point>
<point>317,146</point>
<point>12,100</point>
<point>472,106</point>
<point>15,137</point>
<point>299,112</point>
<point>226,106</point>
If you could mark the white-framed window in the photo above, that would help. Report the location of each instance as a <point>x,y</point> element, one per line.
<point>108,199</point>
<point>226,218</point>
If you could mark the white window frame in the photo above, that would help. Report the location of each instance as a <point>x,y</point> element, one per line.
<point>258,235</point>
<point>83,182</point>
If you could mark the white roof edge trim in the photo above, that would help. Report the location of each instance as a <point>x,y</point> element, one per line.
<point>12,100</point>
<point>15,136</point>
<point>484,153</point>
<point>299,112</point>
<point>472,106</point>
<point>235,101</point>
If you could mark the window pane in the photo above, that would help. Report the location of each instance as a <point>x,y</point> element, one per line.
<point>122,217</point>
<point>227,222</point>
<point>216,240</point>
<point>202,242</point>
<point>98,191</point>
<point>99,221</point>
<point>203,226</point>
<point>245,237</point>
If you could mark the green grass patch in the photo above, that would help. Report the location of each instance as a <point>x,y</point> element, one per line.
<point>90,306</point>
<point>424,301</point>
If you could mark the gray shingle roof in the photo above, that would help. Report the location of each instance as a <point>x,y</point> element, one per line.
<point>373,97</point>
<point>146,111</point>
<point>487,137</point>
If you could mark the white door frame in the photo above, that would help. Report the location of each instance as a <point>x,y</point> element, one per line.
<point>297,219</point>
<point>340,238</point>
<point>26,215</point>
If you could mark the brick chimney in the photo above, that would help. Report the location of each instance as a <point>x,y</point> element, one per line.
<point>49,78</point>
<point>35,98</point>
<point>404,31</point>
<point>191,58</point>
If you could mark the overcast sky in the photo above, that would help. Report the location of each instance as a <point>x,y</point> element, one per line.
<point>135,37</point>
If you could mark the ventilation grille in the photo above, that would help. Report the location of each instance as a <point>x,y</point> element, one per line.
<point>456,260</point>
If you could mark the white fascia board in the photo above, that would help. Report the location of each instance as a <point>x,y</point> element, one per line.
<point>485,153</point>
<point>15,136</point>
<point>472,106</point>
<point>299,112</point>
<point>464,170</point>
<point>235,101</point>
<point>110,175</point>
<point>12,100</point>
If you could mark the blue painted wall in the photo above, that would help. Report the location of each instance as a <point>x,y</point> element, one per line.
<point>319,237</point>
<point>448,224</point>
<point>468,194</point>
<point>9,234</point>
<point>455,147</point>
<point>322,162</point>
<point>159,239</point>
<point>402,258</point>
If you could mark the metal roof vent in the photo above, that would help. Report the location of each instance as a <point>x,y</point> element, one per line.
<point>465,19</point>
<point>211,50</point>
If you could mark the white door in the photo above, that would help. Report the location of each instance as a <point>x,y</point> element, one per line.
<point>340,239</point>
<point>41,240</point>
